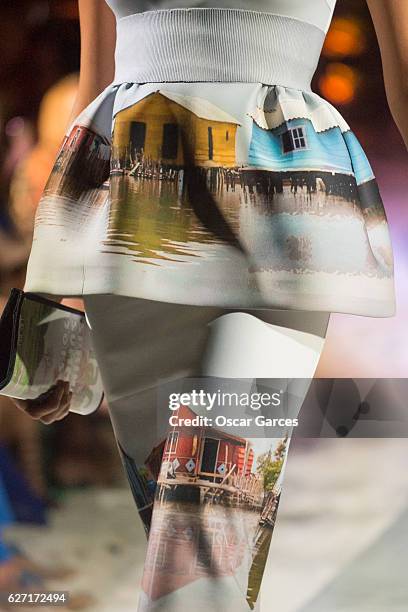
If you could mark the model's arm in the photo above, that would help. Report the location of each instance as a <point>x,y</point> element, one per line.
<point>390,18</point>
<point>98,39</point>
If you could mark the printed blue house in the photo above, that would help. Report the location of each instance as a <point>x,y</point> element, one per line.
<point>292,137</point>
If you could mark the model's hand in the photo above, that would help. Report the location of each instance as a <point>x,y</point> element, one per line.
<point>49,407</point>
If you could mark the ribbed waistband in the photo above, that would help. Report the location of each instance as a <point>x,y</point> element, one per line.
<point>216,44</point>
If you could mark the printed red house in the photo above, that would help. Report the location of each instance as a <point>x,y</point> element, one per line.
<point>215,460</point>
<point>185,545</point>
<point>83,161</point>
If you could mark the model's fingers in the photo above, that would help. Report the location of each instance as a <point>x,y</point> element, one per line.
<point>54,416</point>
<point>50,406</point>
<point>38,412</point>
<point>47,419</point>
<point>21,404</point>
<point>61,412</point>
<point>54,399</point>
<point>63,415</point>
<point>52,392</point>
<point>37,409</point>
<point>66,400</point>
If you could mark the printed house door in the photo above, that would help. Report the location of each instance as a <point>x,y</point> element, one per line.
<point>137,136</point>
<point>209,457</point>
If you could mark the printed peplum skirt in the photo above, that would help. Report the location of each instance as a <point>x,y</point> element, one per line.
<point>209,173</point>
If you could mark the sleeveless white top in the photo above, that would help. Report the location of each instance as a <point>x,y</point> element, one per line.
<point>315,12</point>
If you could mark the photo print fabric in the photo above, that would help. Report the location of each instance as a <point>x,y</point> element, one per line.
<point>232,195</point>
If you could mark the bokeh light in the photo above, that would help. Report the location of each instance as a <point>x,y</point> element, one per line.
<point>14,127</point>
<point>338,84</point>
<point>346,37</point>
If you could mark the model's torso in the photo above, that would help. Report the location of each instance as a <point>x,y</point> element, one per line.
<point>316,12</point>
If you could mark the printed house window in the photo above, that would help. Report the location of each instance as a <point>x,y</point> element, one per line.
<point>210,144</point>
<point>76,136</point>
<point>172,441</point>
<point>137,135</point>
<point>161,556</point>
<point>170,140</point>
<point>294,140</point>
<point>227,135</point>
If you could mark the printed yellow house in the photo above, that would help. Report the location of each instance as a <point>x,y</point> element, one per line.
<point>153,125</point>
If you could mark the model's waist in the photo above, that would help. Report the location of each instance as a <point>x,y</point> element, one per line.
<point>211,44</point>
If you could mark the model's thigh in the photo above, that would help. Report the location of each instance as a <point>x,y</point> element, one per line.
<point>141,344</point>
<point>218,490</point>
<point>265,346</point>
<point>262,344</point>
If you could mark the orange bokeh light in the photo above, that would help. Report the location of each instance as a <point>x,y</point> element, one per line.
<point>339,83</point>
<point>345,37</point>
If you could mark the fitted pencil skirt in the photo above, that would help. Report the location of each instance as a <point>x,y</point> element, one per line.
<point>206,506</point>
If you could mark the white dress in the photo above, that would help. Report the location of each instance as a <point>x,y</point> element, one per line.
<point>209,173</point>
